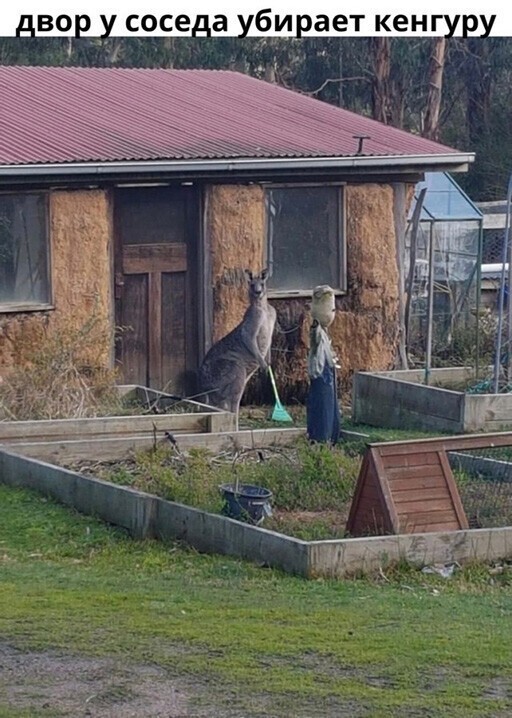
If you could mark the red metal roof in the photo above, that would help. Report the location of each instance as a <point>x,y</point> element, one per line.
<point>62,115</point>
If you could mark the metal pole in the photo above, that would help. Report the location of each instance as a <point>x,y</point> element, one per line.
<point>430,306</point>
<point>509,285</point>
<point>478,292</point>
<point>501,302</point>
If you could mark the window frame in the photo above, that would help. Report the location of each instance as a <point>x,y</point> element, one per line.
<point>32,306</point>
<point>341,229</point>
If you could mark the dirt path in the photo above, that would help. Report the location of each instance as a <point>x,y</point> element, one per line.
<point>51,684</point>
<point>55,684</point>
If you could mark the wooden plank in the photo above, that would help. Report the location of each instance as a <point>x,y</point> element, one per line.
<point>369,512</point>
<point>367,505</point>
<point>174,338</point>
<point>452,443</point>
<point>148,258</point>
<point>454,492</point>
<point>134,312</point>
<point>407,448</point>
<point>221,421</point>
<point>369,497</point>
<point>193,289</point>
<point>120,447</point>
<point>382,483</point>
<point>400,484</point>
<point>354,518</point>
<point>370,520</point>
<point>419,493</point>
<point>424,518</point>
<point>404,403</point>
<point>370,491</point>
<point>427,506</point>
<point>497,425</point>
<point>412,459</point>
<point>155,329</point>
<point>415,472</point>
<point>11,432</point>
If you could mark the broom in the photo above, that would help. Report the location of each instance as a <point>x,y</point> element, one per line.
<point>279,413</point>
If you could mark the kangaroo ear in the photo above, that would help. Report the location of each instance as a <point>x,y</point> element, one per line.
<point>249,274</point>
<point>264,273</point>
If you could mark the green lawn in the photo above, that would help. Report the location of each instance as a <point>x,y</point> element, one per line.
<point>244,640</point>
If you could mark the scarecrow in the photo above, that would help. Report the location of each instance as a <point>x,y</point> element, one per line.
<point>323,413</point>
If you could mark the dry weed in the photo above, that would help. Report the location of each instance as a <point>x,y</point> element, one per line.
<point>63,377</point>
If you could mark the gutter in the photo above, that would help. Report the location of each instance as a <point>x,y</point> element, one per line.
<point>457,162</point>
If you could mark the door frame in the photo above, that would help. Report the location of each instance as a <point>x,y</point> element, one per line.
<point>196,278</point>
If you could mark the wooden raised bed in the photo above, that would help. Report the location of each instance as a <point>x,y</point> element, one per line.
<point>148,516</point>
<point>409,487</point>
<point>400,400</point>
<point>193,417</point>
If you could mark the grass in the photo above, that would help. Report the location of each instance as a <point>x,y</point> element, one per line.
<point>378,434</point>
<point>312,485</point>
<point>404,644</point>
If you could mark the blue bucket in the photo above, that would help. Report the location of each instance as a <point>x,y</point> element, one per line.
<point>246,502</point>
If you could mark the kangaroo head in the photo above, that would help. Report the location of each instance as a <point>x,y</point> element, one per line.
<point>257,284</point>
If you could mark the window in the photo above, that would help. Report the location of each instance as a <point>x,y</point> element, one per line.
<point>305,238</point>
<point>24,276</point>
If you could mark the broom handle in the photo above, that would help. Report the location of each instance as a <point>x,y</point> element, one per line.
<point>273,382</point>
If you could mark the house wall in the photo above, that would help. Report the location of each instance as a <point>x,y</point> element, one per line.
<point>365,330</point>
<point>80,241</point>
<point>235,229</point>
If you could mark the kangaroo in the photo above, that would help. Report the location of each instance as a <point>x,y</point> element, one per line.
<point>231,362</point>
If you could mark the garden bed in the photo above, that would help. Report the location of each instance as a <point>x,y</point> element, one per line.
<point>401,399</point>
<point>139,411</point>
<point>312,485</point>
<point>146,515</point>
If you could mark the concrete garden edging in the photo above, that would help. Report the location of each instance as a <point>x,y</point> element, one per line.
<point>147,516</point>
<point>399,399</point>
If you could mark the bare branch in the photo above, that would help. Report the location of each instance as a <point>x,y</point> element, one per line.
<point>334,80</point>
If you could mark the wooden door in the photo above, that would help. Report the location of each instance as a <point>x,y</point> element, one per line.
<point>156,286</point>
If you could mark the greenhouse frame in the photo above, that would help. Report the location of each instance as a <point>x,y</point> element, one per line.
<point>443,249</point>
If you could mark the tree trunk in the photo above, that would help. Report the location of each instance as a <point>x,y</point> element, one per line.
<point>435,88</point>
<point>478,88</point>
<point>270,72</point>
<point>381,101</point>
<point>168,53</point>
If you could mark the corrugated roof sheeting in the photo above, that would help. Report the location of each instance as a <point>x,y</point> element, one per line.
<point>61,115</point>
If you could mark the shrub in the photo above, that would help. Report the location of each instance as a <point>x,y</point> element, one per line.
<point>63,377</point>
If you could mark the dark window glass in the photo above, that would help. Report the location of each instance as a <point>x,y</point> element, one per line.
<point>304,238</point>
<point>23,249</point>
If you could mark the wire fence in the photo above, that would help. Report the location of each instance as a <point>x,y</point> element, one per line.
<point>484,481</point>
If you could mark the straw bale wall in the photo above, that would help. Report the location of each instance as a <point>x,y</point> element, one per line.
<point>366,326</point>
<point>365,330</point>
<point>236,228</point>
<point>80,234</point>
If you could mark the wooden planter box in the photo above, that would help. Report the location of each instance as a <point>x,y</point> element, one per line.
<point>148,516</point>
<point>195,418</point>
<point>400,400</point>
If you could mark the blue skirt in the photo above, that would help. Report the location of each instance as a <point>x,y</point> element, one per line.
<point>323,411</point>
